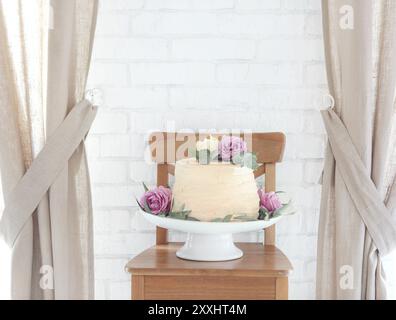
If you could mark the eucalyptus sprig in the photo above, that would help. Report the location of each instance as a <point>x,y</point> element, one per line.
<point>181,213</point>
<point>286,209</point>
<point>227,218</point>
<point>246,159</point>
<point>144,207</point>
<point>204,156</point>
<point>243,218</point>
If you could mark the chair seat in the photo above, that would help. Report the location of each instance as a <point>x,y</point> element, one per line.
<point>258,260</point>
<point>262,273</point>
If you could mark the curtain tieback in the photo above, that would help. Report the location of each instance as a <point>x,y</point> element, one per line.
<point>364,194</point>
<point>51,160</point>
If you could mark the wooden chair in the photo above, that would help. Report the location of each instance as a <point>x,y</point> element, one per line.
<point>262,273</point>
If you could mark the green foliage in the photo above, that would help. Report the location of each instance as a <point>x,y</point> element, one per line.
<point>145,187</point>
<point>227,218</point>
<point>246,159</point>
<point>192,152</point>
<point>264,214</point>
<point>285,210</point>
<point>140,206</point>
<point>203,156</point>
<point>192,219</point>
<point>144,206</point>
<point>182,214</point>
<point>243,218</point>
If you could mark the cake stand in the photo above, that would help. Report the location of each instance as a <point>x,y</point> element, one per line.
<point>209,241</point>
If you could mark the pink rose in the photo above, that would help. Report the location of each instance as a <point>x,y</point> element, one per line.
<point>158,200</point>
<point>230,146</point>
<point>269,201</point>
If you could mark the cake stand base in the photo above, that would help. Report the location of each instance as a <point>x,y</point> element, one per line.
<point>209,241</point>
<point>209,247</point>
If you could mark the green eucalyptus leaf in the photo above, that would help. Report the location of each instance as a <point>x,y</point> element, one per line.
<point>192,219</point>
<point>140,206</point>
<point>250,160</point>
<point>286,210</point>
<point>203,156</point>
<point>243,218</point>
<point>263,210</point>
<point>283,197</point>
<point>183,214</point>
<point>227,218</point>
<point>176,215</point>
<point>144,206</point>
<point>192,152</point>
<point>275,215</point>
<point>214,155</point>
<point>237,159</point>
<point>264,214</point>
<point>145,187</point>
<point>245,159</point>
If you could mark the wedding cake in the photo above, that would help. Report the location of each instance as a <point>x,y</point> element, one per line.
<point>215,190</point>
<point>214,194</point>
<point>215,183</point>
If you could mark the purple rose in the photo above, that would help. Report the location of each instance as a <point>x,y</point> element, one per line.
<point>158,200</point>
<point>269,201</point>
<point>230,146</point>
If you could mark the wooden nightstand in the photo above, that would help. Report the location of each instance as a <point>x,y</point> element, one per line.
<point>262,273</point>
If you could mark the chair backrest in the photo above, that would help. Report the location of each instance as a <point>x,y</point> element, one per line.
<point>168,147</point>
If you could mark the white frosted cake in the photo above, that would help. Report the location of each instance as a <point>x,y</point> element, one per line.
<point>214,191</point>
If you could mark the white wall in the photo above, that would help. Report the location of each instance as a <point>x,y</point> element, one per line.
<point>204,64</point>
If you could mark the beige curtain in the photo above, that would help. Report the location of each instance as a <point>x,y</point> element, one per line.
<point>47,220</point>
<point>356,227</point>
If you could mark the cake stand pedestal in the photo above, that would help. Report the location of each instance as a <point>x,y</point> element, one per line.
<point>209,241</point>
<point>209,247</point>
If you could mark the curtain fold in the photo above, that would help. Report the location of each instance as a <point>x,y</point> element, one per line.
<point>355,226</point>
<point>70,46</point>
<point>47,218</point>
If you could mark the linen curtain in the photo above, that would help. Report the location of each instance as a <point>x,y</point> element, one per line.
<point>356,227</point>
<point>47,220</point>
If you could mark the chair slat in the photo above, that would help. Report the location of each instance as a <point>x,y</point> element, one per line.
<point>168,147</point>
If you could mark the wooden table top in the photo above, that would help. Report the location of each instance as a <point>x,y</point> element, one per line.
<point>258,260</point>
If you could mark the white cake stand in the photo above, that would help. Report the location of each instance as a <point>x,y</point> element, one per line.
<point>209,241</point>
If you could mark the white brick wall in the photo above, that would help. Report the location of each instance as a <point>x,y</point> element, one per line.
<point>203,64</point>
